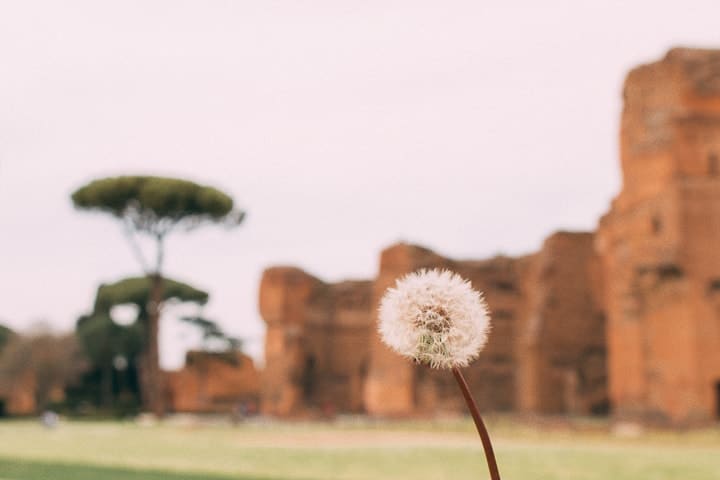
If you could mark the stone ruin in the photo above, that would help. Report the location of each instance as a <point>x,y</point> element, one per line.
<point>659,243</point>
<point>322,351</point>
<point>317,342</point>
<point>546,350</point>
<point>626,318</point>
<point>213,382</point>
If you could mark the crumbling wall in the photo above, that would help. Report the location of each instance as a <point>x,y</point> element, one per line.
<point>317,343</point>
<point>561,339</point>
<point>539,304</point>
<point>545,352</point>
<point>658,243</point>
<point>213,382</point>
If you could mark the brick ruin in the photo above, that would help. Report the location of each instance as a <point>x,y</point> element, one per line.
<point>317,342</point>
<point>322,351</point>
<point>626,318</point>
<point>659,243</point>
<point>213,382</point>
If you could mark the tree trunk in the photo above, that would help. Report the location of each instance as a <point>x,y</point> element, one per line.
<point>154,385</point>
<point>143,380</point>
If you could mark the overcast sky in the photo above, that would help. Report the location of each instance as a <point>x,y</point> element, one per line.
<point>341,126</point>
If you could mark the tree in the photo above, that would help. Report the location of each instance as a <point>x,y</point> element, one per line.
<point>104,340</point>
<point>155,207</point>
<point>214,338</point>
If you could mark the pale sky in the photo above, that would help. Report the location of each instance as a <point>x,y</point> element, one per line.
<point>472,128</point>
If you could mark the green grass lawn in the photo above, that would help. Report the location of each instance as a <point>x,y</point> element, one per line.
<point>358,451</point>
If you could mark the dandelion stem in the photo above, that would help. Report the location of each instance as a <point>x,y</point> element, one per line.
<point>482,431</point>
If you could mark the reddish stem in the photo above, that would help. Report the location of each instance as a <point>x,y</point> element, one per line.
<point>482,431</point>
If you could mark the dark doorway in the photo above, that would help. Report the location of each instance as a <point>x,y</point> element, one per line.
<point>2,408</point>
<point>717,400</point>
<point>308,378</point>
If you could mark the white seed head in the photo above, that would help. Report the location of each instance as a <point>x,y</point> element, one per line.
<point>435,318</point>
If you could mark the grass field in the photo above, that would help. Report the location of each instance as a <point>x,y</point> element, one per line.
<point>398,451</point>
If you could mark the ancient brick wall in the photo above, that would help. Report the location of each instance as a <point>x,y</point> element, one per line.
<point>545,353</point>
<point>659,240</point>
<point>560,344</point>
<point>492,377</point>
<point>213,382</point>
<point>284,294</point>
<point>317,343</point>
<point>539,304</point>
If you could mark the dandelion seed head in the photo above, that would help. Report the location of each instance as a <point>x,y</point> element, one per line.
<point>434,317</point>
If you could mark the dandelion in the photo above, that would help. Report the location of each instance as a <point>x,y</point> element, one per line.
<point>436,318</point>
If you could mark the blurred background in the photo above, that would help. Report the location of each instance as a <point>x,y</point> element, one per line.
<point>202,202</point>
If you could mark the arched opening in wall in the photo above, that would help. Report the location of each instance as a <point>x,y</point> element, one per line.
<point>2,408</point>
<point>717,400</point>
<point>713,164</point>
<point>309,377</point>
